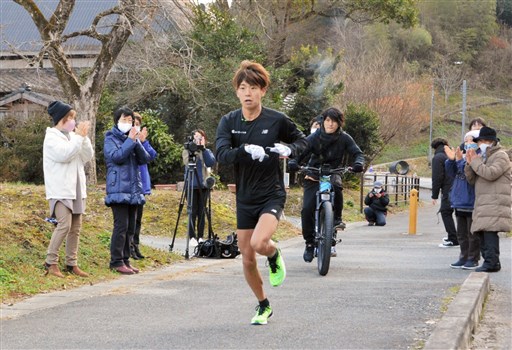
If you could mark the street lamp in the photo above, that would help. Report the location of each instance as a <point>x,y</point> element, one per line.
<point>463,109</point>
<point>430,133</point>
<point>464,89</point>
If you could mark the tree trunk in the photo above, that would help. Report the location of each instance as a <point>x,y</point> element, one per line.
<point>86,107</point>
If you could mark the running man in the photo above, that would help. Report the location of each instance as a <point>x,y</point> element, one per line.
<point>243,135</point>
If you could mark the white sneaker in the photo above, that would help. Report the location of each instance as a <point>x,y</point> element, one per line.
<point>333,252</point>
<point>445,239</point>
<point>192,243</point>
<point>447,244</point>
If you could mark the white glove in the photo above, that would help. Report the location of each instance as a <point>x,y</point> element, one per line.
<point>283,150</point>
<point>256,152</point>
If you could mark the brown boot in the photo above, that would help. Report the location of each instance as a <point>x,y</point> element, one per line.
<point>53,270</point>
<point>75,270</point>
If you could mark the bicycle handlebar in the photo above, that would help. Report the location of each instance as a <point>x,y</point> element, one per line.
<point>323,171</point>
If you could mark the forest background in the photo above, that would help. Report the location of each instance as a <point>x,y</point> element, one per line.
<point>391,65</point>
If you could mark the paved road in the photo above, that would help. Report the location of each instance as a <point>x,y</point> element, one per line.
<point>385,290</point>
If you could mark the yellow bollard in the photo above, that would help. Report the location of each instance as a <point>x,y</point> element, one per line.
<point>413,211</point>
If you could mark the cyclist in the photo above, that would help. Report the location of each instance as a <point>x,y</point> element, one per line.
<point>242,136</point>
<point>328,146</point>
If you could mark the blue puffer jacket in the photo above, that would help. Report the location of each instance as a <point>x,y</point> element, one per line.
<point>462,194</point>
<point>123,157</point>
<point>144,172</point>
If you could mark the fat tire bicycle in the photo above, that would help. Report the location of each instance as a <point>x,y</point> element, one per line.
<point>325,232</point>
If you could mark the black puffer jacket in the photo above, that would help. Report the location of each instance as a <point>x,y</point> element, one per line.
<point>334,149</point>
<point>377,203</point>
<point>440,180</point>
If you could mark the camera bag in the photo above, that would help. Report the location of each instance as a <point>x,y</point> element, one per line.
<point>215,248</point>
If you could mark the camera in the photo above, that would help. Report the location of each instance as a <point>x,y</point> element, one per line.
<point>192,146</point>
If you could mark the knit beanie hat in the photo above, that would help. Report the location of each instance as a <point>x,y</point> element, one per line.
<point>58,110</point>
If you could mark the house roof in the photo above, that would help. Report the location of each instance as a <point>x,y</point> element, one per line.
<point>23,93</point>
<point>18,33</point>
<point>43,80</point>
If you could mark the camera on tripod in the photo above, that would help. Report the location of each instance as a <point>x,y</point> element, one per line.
<point>193,145</point>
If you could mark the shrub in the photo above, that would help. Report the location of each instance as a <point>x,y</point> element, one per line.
<point>167,166</point>
<point>21,149</point>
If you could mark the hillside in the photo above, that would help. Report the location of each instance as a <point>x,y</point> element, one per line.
<point>495,108</point>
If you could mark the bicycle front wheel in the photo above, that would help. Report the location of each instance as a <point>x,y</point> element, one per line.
<point>324,241</point>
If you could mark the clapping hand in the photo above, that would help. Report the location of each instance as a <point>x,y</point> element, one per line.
<point>82,129</point>
<point>133,133</point>
<point>143,134</point>
<point>458,154</point>
<point>450,153</point>
<point>470,155</point>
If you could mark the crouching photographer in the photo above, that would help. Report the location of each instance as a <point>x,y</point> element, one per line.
<point>196,153</point>
<point>377,201</point>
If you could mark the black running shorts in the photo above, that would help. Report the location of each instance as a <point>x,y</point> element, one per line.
<point>247,215</point>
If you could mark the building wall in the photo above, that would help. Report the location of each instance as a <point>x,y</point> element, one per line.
<point>22,110</point>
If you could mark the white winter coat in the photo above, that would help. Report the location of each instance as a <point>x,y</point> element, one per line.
<point>63,163</point>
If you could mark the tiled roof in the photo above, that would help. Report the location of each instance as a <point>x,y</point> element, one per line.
<point>34,97</point>
<point>43,80</point>
<point>18,29</point>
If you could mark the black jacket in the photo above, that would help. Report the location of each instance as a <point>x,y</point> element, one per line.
<point>377,203</point>
<point>335,149</point>
<point>441,182</point>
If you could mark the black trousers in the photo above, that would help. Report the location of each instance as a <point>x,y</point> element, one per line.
<point>138,224</point>
<point>124,225</point>
<point>447,215</point>
<point>338,203</point>
<point>198,213</point>
<point>309,206</point>
<point>490,248</point>
<point>469,242</point>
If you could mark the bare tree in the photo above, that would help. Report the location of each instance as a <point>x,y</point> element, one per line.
<point>85,93</point>
<point>448,75</point>
<point>275,18</point>
<point>400,100</point>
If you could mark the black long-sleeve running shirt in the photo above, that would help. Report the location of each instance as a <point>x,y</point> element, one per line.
<point>256,181</point>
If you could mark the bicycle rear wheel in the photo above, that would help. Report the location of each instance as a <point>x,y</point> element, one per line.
<point>324,241</point>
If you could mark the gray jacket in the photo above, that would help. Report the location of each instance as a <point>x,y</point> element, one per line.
<point>492,179</point>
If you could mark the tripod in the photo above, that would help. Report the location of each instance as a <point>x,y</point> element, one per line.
<point>188,191</point>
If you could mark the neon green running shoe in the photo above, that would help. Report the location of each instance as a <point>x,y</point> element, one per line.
<point>277,270</point>
<point>262,315</point>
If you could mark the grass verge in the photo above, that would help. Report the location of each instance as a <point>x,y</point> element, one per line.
<point>26,235</point>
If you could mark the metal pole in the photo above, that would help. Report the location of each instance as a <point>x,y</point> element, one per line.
<point>431,118</point>
<point>413,211</point>
<point>463,109</point>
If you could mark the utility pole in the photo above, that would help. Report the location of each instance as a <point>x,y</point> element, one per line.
<point>431,121</point>
<point>463,109</point>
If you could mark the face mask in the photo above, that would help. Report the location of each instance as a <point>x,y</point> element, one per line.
<point>469,146</point>
<point>313,130</point>
<point>124,127</point>
<point>377,189</point>
<point>483,147</point>
<point>69,125</point>
<point>137,128</point>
